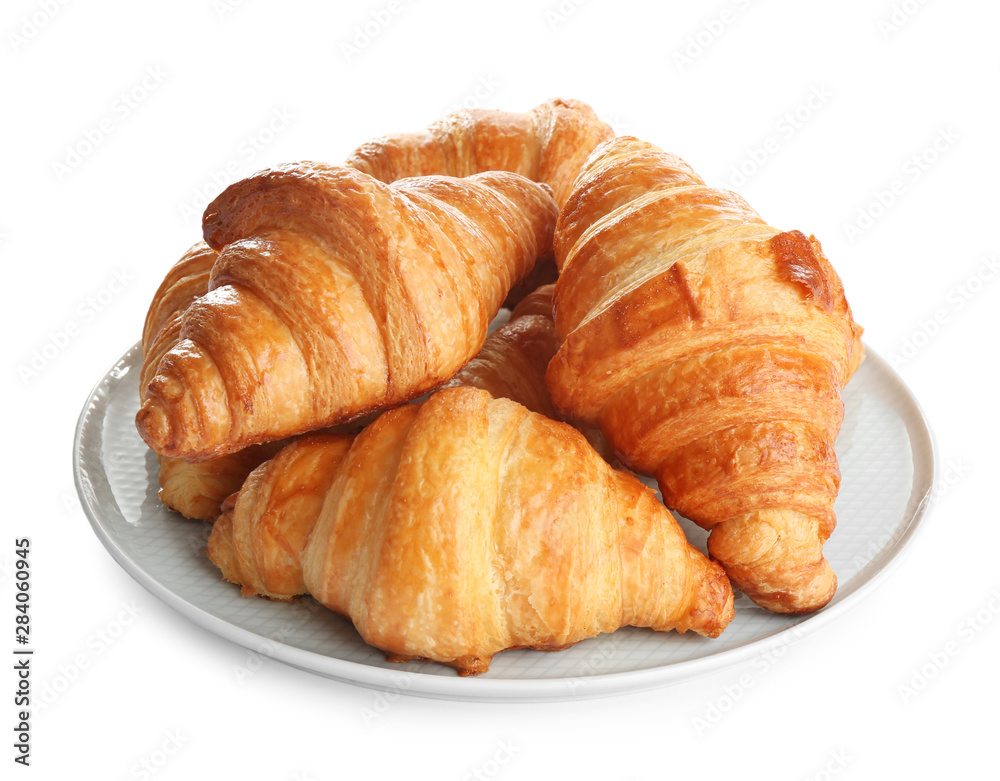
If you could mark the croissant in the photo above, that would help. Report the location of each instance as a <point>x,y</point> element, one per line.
<point>711,350</point>
<point>335,295</point>
<point>456,528</point>
<point>548,144</point>
<point>511,364</point>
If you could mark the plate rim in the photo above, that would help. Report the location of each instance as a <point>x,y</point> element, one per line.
<point>482,689</point>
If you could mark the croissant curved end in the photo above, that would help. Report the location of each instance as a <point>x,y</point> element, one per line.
<point>155,426</point>
<point>713,607</point>
<point>808,598</point>
<point>776,558</point>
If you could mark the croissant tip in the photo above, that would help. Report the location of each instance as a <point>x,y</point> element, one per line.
<point>715,607</point>
<point>154,426</point>
<point>799,599</point>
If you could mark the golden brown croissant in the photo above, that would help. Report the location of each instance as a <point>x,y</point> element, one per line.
<point>335,295</point>
<point>548,144</point>
<point>457,528</point>
<point>711,349</point>
<point>511,365</point>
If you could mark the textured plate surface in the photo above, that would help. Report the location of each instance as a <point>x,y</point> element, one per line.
<point>887,464</point>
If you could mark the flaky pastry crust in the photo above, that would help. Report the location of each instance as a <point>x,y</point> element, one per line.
<point>548,144</point>
<point>711,350</point>
<point>457,528</point>
<point>335,295</point>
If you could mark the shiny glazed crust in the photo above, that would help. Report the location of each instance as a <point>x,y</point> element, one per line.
<point>335,295</point>
<point>196,490</point>
<point>711,350</point>
<point>510,365</point>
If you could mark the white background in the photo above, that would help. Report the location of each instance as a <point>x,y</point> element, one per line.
<point>888,80</point>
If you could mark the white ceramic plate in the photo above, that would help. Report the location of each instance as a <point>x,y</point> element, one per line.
<point>887,463</point>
